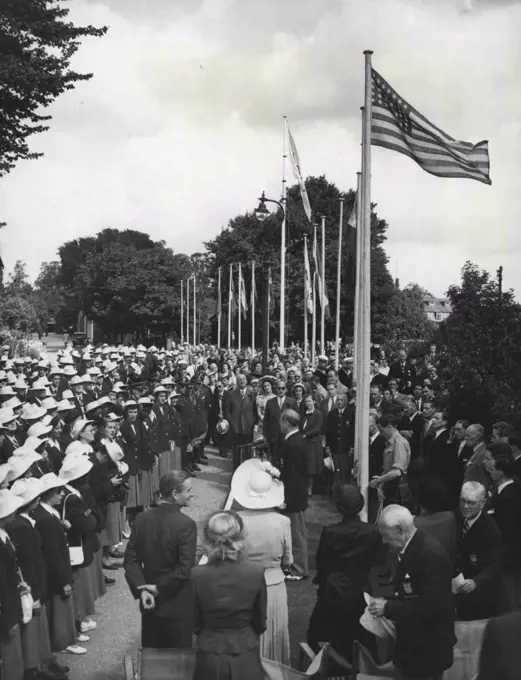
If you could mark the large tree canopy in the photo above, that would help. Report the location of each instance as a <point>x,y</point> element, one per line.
<point>36,46</point>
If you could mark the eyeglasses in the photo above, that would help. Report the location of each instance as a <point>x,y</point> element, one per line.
<point>281,387</point>
<point>470,504</point>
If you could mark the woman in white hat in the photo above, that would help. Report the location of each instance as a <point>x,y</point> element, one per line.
<point>82,533</point>
<point>59,601</point>
<point>161,431</point>
<point>9,423</point>
<point>27,541</point>
<point>53,445</point>
<point>257,488</point>
<point>10,584</point>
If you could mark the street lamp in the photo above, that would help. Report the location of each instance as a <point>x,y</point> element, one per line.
<point>262,213</point>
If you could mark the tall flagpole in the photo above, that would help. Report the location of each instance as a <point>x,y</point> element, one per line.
<point>283,241</point>
<point>219,308</point>
<point>239,307</point>
<point>338,283</point>
<point>362,395</point>
<point>323,291</point>
<point>230,308</point>
<point>314,319</point>
<point>195,315</point>
<point>358,274</point>
<point>182,313</point>
<point>306,294</point>
<point>188,311</point>
<point>253,289</point>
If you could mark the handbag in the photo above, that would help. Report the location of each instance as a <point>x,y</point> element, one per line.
<point>76,555</point>
<point>27,603</point>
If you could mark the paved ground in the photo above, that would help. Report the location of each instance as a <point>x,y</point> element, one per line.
<point>118,618</point>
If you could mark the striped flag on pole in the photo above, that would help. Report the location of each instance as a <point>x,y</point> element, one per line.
<point>321,290</point>
<point>243,304</point>
<point>297,171</point>
<point>308,287</point>
<point>396,125</point>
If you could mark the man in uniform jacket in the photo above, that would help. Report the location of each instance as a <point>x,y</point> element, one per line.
<point>158,561</point>
<point>479,556</point>
<point>274,409</point>
<point>500,657</point>
<point>422,607</point>
<point>403,371</point>
<point>340,437</point>
<point>240,412</point>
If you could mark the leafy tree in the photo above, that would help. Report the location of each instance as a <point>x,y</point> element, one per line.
<point>406,317</point>
<point>482,367</point>
<point>17,309</point>
<point>48,295</point>
<point>36,46</point>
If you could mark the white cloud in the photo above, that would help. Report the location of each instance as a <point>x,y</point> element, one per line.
<point>180,129</point>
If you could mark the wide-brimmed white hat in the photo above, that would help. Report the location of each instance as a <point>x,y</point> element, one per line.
<point>39,430</point>
<point>64,405</point>
<point>18,465</point>
<point>34,442</point>
<point>4,469</point>
<point>50,404</point>
<point>255,488</point>
<point>7,416</point>
<point>33,412</point>
<point>28,489</point>
<point>79,426</point>
<point>74,467</point>
<point>52,481</point>
<point>9,503</point>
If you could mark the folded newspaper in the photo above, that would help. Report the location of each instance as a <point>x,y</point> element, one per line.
<point>380,626</point>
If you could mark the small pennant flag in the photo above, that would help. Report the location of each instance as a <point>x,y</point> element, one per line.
<point>297,171</point>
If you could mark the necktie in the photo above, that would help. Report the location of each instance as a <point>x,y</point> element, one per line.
<point>466,527</point>
<point>330,405</point>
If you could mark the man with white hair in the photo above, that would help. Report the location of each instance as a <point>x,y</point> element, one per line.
<point>422,607</point>
<point>479,556</point>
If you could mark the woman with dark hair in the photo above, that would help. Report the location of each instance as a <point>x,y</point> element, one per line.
<point>53,446</point>
<point>346,553</point>
<point>230,605</point>
<point>436,516</point>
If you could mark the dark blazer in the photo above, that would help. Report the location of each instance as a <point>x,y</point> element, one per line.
<point>376,456</point>
<point>403,374</point>
<point>479,558</point>
<point>294,473</point>
<point>340,432</point>
<point>507,513</point>
<point>55,551</point>
<point>230,606</point>
<point>500,657</point>
<point>161,551</point>
<point>136,446</point>
<point>272,414</point>
<point>346,553</point>
<point>28,544</point>
<point>223,398</point>
<point>84,525</point>
<point>10,604</point>
<point>185,409</point>
<point>423,609</point>
<point>241,413</point>
<point>439,457</point>
<point>312,431</point>
<point>160,428</point>
<point>8,448</point>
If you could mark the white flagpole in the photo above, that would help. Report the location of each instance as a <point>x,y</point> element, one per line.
<point>219,302</point>
<point>323,291</point>
<point>182,313</point>
<point>230,308</point>
<point>362,394</point>
<point>314,319</point>
<point>239,306</point>
<point>195,315</point>
<point>253,289</point>
<point>283,242</point>
<point>358,274</point>
<point>306,292</point>
<point>188,311</point>
<point>338,283</point>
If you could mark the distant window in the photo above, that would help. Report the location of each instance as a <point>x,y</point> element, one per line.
<point>438,316</point>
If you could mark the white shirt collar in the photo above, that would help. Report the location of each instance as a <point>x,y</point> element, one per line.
<point>439,432</point>
<point>291,433</point>
<point>503,485</point>
<point>50,510</point>
<point>472,521</point>
<point>30,519</point>
<point>402,551</point>
<point>3,536</point>
<point>374,436</point>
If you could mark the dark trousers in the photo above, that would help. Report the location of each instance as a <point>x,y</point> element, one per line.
<point>162,633</point>
<point>238,440</point>
<point>222,441</point>
<point>275,452</point>
<point>187,457</point>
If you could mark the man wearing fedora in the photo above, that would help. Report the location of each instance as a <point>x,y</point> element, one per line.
<point>295,479</point>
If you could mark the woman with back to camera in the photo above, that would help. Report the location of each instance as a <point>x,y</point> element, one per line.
<point>256,487</point>
<point>230,605</point>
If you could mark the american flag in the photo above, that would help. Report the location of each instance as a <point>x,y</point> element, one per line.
<point>398,126</point>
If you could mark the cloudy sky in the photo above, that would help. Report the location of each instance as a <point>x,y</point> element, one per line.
<point>181,126</point>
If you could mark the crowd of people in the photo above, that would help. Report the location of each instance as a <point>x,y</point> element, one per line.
<point>88,443</point>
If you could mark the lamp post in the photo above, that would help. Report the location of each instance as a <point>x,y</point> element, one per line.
<point>262,213</point>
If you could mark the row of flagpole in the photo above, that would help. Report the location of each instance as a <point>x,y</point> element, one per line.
<point>185,292</point>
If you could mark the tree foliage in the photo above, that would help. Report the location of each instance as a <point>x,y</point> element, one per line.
<point>36,46</point>
<point>406,316</point>
<point>17,309</point>
<point>483,341</point>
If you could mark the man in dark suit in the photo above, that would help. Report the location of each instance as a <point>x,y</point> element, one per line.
<point>439,456</point>
<point>461,452</point>
<point>219,399</point>
<point>346,553</point>
<point>295,479</point>
<point>376,454</point>
<point>478,556</point>
<point>240,412</point>
<point>500,657</point>
<point>158,560</point>
<point>403,371</point>
<point>340,438</point>
<point>422,607</point>
<point>272,413</point>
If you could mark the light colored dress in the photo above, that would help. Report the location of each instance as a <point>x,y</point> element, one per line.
<point>268,541</point>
